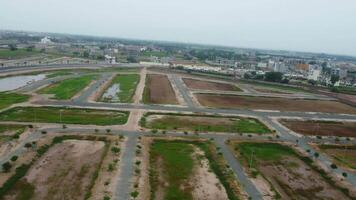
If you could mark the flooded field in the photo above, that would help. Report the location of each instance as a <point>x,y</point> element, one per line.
<point>111,93</point>
<point>15,82</point>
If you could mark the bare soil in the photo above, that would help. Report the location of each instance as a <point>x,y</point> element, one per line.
<point>293,179</point>
<point>208,85</point>
<point>270,103</point>
<point>343,129</point>
<point>65,171</point>
<point>160,90</point>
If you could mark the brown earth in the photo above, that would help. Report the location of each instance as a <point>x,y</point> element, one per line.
<point>293,179</point>
<point>65,171</point>
<point>160,90</point>
<point>208,85</point>
<point>343,156</point>
<point>265,90</point>
<point>271,103</point>
<point>343,129</point>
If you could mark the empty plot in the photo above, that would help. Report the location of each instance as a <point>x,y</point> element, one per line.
<point>66,89</point>
<point>158,90</point>
<point>271,103</point>
<point>67,168</point>
<point>7,99</point>
<point>288,174</point>
<point>342,155</point>
<point>209,85</point>
<point>64,115</point>
<point>189,170</point>
<point>122,88</point>
<point>323,128</point>
<point>203,123</point>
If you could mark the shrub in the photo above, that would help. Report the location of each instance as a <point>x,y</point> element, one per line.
<point>316,154</point>
<point>30,126</point>
<point>106,197</point>
<point>134,194</point>
<point>333,166</point>
<point>14,158</point>
<point>108,130</point>
<point>44,132</point>
<point>185,133</point>
<point>28,145</point>
<point>115,149</point>
<point>344,174</point>
<point>154,131</point>
<point>110,167</point>
<point>64,126</point>
<point>6,166</point>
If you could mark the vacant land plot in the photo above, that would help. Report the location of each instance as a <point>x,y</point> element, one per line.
<point>7,99</point>
<point>64,115</point>
<point>65,169</point>
<point>342,155</point>
<point>270,103</point>
<point>122,88</point>
<point>20,53</point>
<point>10,131</point>
<point>208,85</point>
<point>158,90</point>
<point>274,87</point>
<point>203,123</point>
<point>290,175</point>
<point>323,128</point>
<point>66,89</point>
<point>185,170</point>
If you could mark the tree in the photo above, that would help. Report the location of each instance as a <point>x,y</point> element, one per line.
<point>30,48</point>
<point>86,54</point>
<point>131,59</point>
<point>6,166</point>
<point>274,76</point>
<point>333,166</point>
<point>334,79</point>
<point>316,154</point>
<point>12,47</point>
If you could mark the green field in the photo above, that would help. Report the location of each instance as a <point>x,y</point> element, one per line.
<point>7,99</point>
<point>127,84</point>
<point>342,155</point>
<point>203,123</point>
<point>68,116</point>
<point>177,167</point>
<point>20,53</point>
<point>264,151</point>
<point>172,162</point>
<point>66,89</point>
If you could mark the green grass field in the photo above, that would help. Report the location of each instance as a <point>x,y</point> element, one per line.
<point>20,53</point>
<point>128,84</point>
<point>11,128</point>
<point>7,99</point>
<point>69,116</point>
<point>264,151</point>
<point>66,89</point>
<point>201,123</point>
<point>177,166</point>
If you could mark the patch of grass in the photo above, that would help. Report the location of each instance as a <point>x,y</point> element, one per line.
<point>264,151</point>
<point>19,53</point>
<point>202,124</point>
<point>146,91</point>
<point>177,166</point>
<point>59,73</point>
<point>7,99</point>
<point>11,128</point>
<point>66,89</point>
<point>68,116</point>
<point>127,84</point>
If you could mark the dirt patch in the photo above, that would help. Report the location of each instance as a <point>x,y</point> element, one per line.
<point>159,90</point>
<point>208,85</point>
<point>64,172</point>
<point>270,103</point>
<point>293,179</point>
<point>323,128</point>
<point>265,90</point>
<point>206,185</point>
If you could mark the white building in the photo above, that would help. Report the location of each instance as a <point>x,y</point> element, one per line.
<point>46,40</point>
<point>110,59</point>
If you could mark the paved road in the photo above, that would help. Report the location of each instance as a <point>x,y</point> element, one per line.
<point>177,81</point>
<point>124,182</point>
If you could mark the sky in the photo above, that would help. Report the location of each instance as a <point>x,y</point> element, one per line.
<point>325,26</point>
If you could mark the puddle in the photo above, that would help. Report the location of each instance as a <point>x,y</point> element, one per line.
<point>15,82</point>
<point>111,93</point>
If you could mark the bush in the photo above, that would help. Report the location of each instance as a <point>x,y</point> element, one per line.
<point>64,126</point>
<point>28,145</point>
<point>134,194</point>
<point>110,167</point>
<point>14,158</point>
<point>115,149</point>
<point>30,126</point>
<point>106,198</point>
<point>344,174</point>
<point>6,166</point>
<point>316,154</point>
<point>333,166</point>
<point>44,132</point>
<point>154,131</point>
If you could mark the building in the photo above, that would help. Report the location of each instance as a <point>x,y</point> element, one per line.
<point>46,40</point>
<point>110,59</point>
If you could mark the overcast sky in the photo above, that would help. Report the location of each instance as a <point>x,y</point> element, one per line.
<point>305,25</point>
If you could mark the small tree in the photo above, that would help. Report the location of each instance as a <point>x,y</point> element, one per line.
<point>334,79</point>
<point>134,194</point>
<point>333,166</point>
<point>316,154</point>
<point>6,166</point>
<point>344,174</point>
<point>14,158</point>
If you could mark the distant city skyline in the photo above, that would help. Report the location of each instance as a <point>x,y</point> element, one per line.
<point>319,26</point>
